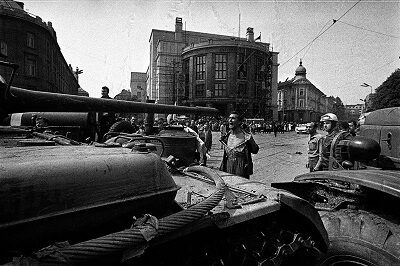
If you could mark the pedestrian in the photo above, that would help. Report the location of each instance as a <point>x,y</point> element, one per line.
<point>313,145</point>
<point>275,128</point>
<point>327,159</point>
<point>222,131</point>
<point>238,147</point>
<point>104,92</point>
<point>106,119</point>
<point>353,128</point>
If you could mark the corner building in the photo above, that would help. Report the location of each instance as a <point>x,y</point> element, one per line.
<point>31,43</point>
<point>225,72</point>
<point>300,101</point>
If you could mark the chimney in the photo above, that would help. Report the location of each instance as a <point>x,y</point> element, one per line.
<point>250,35</point>
<point>178,29</point>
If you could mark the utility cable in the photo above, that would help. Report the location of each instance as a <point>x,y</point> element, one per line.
<point>319,35</point>
<point>358,27</point>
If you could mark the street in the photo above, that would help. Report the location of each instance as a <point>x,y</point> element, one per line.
<point>279,159</point>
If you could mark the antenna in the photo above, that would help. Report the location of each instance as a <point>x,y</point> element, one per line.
<point>239,27</point>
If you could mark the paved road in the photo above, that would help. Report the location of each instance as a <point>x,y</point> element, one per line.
<point>280,158</point>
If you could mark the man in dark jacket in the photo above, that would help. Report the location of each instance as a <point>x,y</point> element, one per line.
<point>238,147</point>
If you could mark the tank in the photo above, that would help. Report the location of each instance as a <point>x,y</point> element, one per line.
<point>357,200</point>
<point>125,202</point>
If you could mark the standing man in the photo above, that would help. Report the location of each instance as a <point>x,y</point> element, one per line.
<point>105,119</point>
<point>104,92</point>
<point>313,145</point>
<point>238,147</point>
<point>327,159</point>
<point>353,128</point>
<point>222,131</point>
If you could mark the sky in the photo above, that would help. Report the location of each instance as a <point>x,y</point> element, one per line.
<point>110,39</point>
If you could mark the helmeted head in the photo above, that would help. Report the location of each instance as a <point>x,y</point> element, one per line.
<point>330,121</point>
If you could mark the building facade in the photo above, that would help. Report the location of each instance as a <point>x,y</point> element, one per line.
<point>300,101</point>
<point>353,111</point>
<point>31,43</point>
<point>138,86</point>
<point>225,72</point>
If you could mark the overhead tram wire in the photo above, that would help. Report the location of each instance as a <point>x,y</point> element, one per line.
<point>304,55</point>
<point>361,28</point>
<point>319,35</point>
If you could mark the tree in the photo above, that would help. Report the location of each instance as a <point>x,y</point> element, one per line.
<point>338,109</point>
<point>388,93</point>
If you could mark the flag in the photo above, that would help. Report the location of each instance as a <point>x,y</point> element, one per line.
<point>258,38</point>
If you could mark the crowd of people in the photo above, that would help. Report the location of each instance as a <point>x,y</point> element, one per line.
<point>236,137</point>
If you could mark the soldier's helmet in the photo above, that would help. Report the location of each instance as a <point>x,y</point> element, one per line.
<point>329,117</point>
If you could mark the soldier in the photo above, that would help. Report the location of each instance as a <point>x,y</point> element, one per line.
<point>238,147</point>
<point>313,145</point>
<point>327,159</point>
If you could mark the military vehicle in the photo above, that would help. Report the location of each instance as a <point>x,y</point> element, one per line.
<point>67,202</point>
<point>358,198</point>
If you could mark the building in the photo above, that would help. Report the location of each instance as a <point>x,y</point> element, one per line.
<point>300,101</point>
<point>226,72</point>
<point>138,86</point>
<point>31,43</point>
<point>353,111</point>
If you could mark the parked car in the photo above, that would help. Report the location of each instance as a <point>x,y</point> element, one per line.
<point>301,129</point>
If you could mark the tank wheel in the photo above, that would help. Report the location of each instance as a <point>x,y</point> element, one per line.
<point>360,238</point>
<point>121,126</point>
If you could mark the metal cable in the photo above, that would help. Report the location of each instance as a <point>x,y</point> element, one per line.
<point>133,238</point>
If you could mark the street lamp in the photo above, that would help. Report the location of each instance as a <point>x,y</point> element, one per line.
<point>366,85</point>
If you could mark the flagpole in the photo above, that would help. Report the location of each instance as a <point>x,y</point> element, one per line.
<point>239,27</point>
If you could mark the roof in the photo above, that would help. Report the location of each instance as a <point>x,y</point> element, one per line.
<point>12,4</point>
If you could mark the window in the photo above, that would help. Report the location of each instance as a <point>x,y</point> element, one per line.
<point>30,67</point>
<point>219,89</point>
<point>242,90</point>
<point>200,67</point>
<point>259,92</point>
<point>186,77</point>
<point>302,92</point>
<point>30,40</point>
<point>3,48</point>
<point>242,67</point>
<point>220,66</point>
<point>301,103</point>
<point>200,90</point>
<point>259,68</point>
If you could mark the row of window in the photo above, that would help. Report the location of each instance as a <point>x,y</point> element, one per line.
<point>219,90</point>
<point>221,67</point>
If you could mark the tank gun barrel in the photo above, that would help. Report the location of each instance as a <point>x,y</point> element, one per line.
<point>18,100</point>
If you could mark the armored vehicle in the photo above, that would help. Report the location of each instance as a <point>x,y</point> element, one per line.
<point>67,202</point>
<point>358,199</point>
